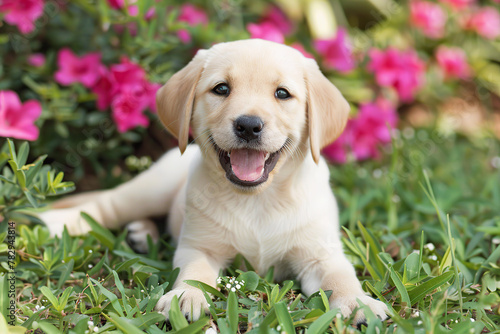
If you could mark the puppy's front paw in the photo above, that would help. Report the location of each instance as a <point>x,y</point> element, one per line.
<point>58,218</point>
<point>347,304</point>
<point>191,302</point>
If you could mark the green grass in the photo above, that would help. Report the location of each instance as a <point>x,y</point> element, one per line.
<point>422,228</point>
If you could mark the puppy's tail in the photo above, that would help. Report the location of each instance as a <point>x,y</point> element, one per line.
<point>151,193</point>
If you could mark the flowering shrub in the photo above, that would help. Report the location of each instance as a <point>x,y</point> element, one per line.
<point>95,67</point>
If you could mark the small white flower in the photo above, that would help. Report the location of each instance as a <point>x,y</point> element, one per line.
<point>495,162</point>
<point>142,291</point>
<point>96,329</point>
<point>210,331</point>
<point>238,286</point>
<point>231,280</point>
<point>219,281</point>
<point>496,240</point>
<point>233,289</point>
<point>416,314</point>
<point>433,257</point>
<point>90,250</point>
<point>42,307</point>
<point>362,173</point>
<point>278,328</point>
<point>90,266</point>
<point>242,282</point>
<point>419,322</point>
<point>377,173</point>
<point>472,320</point>
<point>228,286</point>
<point>63,261</point>
<point>408,133</point>
<point>430,247</point>
<point>90,323</point>
<point>456,321</point>
<point>37,307</point>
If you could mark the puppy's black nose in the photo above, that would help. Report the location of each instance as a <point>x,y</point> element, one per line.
<point>248,127</point>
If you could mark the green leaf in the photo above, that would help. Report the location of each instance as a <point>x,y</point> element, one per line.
<point>206,287</point>
<point>48,328</point>
<point>284,318</point>
<point>422,290</point>
<point>195,327</point>
<point>251,280</point>
<point>175,315</point>
<point>321,324</point>
<point>50,296</point>
<point>324,298</point>
<point>100,232</point>
<point>22,154</point>
<point>232,312</point>
<point>111,296</point>
<point>400,287</point>
<point>123,324</point>
<point>63,300</point>
<point>12,149</point>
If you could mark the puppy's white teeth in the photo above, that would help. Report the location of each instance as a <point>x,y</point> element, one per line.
<point>268,155</point>
<point>228,155</point>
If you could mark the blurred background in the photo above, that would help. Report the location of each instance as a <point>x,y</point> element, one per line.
<point>78,77</point>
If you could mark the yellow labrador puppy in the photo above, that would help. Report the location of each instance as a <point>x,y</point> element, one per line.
<point>254,184</point>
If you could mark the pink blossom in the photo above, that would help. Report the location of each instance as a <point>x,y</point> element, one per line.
<point>453,62</point>
<point>36,59</point>
<point>485,21</point>
<point>401,70</point>
<point>77,69</point>
<point>126,83</point>
<point>459,4</point>
<point>17,119</point>
<point>105,89</point>
<point>276,16</point>
<point>22,13</point>
<point>267,31</point>
<point>336,51</point>
<point>116,4</point>
<point>429,17</point>
<point>364,134</point>
<point>299,47</point>
<point>127,113</point>
<point>193,16</point>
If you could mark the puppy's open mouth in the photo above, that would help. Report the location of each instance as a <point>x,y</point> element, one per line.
<point>247,167</point>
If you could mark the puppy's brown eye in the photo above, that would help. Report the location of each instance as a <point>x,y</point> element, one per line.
<point>282,94</point>
<point>221,89</point>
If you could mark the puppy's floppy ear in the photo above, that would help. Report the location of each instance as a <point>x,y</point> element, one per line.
<point>175,100</point>
<point>327,109</point>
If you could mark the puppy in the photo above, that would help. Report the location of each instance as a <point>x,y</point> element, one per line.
<point>254,184</point>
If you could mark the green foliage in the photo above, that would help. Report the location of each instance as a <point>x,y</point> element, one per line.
<point>437,269</point>
<point>24,185</point>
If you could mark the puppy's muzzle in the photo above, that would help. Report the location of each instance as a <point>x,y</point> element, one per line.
<point>248,128</point>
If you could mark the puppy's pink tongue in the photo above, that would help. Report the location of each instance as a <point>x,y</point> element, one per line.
<point>247,165</point>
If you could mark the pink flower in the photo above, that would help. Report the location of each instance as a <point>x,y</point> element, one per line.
<point>17,119</point>
<point>453,62</point>
<point>193,16</point>
<point>116,4</point>
<point>267,31</point>
<point>364,134</point>
<point>428,17</point>
<point>73,69</point>
<point>105,89</point>
<point>401,70</point>
<point>276,16</point>
<point>127,113</point>
<point>299,47</point>
<point>36,60</point>
<point>336,51</point>
<point>126,78</point>
<point>458,4</point>
<point>485,21</point>
<point>22,13</point>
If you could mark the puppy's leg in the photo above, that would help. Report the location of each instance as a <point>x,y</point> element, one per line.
<point>195,265</point>
<point>149,194</point>
<point>329,269</point>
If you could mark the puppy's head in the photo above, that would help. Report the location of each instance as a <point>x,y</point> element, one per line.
<point>252,106</point>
